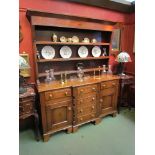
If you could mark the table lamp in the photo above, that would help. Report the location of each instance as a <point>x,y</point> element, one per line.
<point>22,65</point>
<point>122,58</point>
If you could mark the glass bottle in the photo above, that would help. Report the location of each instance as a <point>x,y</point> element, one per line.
<point>109,70</point>
<point>104,70</point>
<point>47,79</point>
<point>80,74</point>
<point>52,74</point>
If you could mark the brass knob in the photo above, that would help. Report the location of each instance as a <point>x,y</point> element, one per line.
<point>81,119</point>
<point>92,107</point>
<point>81,90</point>
<point>66,93</point>
<point>69,108</point>
<point>104,85</point>
<point>81,110</point>
<point>92,115</point>
<point>50,95</point>
<point>81,101</point>
<point>93,99</point>
<point>101,100</point>
<point>94,89</point>
<point>113,84</point>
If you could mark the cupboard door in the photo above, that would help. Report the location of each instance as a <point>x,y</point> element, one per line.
<point>59,115</point>
<point>107,100</point>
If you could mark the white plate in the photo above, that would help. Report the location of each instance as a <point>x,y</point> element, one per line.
<point>48,52</point>
<point>65,52</point>
<point>83,52</point>
<point>96,51</point>
<point>63,39</point>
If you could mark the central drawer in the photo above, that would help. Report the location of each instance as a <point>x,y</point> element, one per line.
<point>86,110</point>
<point>83,90</point>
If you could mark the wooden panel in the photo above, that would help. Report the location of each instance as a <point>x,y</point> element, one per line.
<point>85,118</point>
<point>59,115</point>
<point>57,94</point>
<point>49,21</point>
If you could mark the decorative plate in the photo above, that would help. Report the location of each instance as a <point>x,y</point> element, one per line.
<point>48,52</point>
<point>75,39</point>
<point>83,52</point>
<point>63,39</point>
<point>65,52</point>
<point>96,51</point>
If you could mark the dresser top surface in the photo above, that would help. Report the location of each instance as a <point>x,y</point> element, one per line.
<point>91,80</point>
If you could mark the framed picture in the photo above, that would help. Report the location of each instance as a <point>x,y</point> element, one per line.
<point>116,40</point>
<point>25,72</point>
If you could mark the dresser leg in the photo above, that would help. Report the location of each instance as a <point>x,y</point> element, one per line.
<point>74,129</point>
<point>114,114</point>
<point>69,130</point>
<point>97,121</point>
<point>37,132</point>
<point>46,138</point>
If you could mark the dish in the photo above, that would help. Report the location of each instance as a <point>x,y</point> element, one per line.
<point>83,52</point>
<point>94,40</point>
<point>63,39</point>
<point>65,52</point>
<point>75,39</point>
<point>48,52</point>
<point>96,51</point>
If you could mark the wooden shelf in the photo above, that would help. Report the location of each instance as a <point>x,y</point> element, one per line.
<point>67,43</point>
<point>72,59</point>
<point>70,72</point>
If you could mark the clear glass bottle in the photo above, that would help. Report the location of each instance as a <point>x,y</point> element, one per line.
<point>51,72</point>
<point>104,70</point>
<point>109,70</point>
<point>80,74</point>
<point>48,78</point>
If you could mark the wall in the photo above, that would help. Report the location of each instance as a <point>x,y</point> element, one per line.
<point>62,7</point>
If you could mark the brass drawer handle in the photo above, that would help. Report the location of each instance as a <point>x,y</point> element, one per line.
<point>50,95</point>
<point>69,108</point>
<point>81,110</point>
<point>101,100</point>
<point>66,93</point>
<point>92,115</point>
<point>104,85</point>
<point>93,99</point>
<point>93,107</point>
<point>81,119</point>
<point>81,91</point>
<point>113,84</point>
<point>94,89</point>
<point>81,101</point>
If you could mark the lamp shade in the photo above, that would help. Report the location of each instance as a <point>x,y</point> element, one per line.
<point>123,57</point>
<point>23,63</point>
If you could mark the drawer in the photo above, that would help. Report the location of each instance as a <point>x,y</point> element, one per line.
<point>86,110</point>
<point>57,94</point>
<point>109,84</point>
<point>85,118</point>
<point>87,100</point>
<point>86,89</point>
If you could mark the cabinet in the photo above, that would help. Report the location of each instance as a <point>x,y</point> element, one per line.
<point>108,97</point>
<point>67,106</point>
<point>27,109</point>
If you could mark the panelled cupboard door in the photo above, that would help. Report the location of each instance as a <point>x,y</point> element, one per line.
<point>107,100</point>
<point>59,114</point>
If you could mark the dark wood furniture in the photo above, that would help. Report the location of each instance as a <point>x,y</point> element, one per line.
<point>67,106</point>
<point>125,82</point>
<point>27,108</point>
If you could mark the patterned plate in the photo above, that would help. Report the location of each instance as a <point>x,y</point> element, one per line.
<point>83,52</point>
<point>48,52</point>
<point>96,51</point>
<point>65,52</point>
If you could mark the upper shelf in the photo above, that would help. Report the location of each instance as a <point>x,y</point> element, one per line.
<point>67,43</point>
<point>72,59</point>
